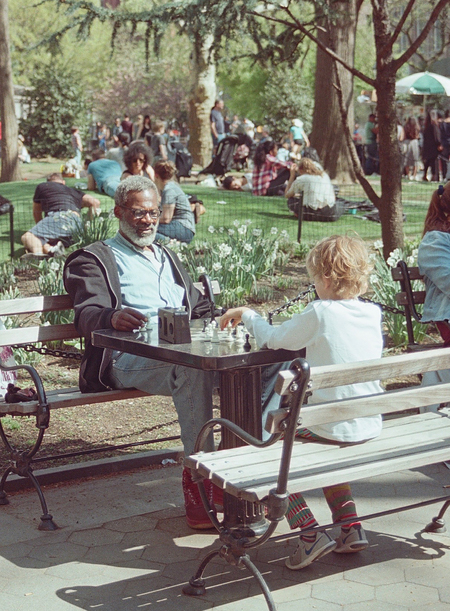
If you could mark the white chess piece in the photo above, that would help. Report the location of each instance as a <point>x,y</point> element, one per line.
<point>215,336</point>
<point>240,339</point>
<point>208,333</point>
<point>229,337</point>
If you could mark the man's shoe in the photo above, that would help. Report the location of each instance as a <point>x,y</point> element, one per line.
<point>351,539</point>
<point>196,516</point>
<point>308,551</point>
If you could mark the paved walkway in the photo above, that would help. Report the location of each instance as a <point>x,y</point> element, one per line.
<point>124,546</point>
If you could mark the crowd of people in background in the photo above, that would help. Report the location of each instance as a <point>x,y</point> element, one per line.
<point>424,143</point>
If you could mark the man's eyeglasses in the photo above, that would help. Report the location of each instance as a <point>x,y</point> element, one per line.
<point>139,213</point>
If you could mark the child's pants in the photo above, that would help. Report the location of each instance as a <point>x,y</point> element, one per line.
<point>339,499</point>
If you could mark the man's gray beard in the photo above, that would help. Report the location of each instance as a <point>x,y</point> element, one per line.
<point>130,232</point>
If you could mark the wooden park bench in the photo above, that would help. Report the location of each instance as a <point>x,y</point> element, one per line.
<point>21,462</point>
<point>264,476</point>
<point>409,298</point>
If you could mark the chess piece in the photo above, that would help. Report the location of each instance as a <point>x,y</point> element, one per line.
<point>240,335</point>
<point>215,336</point>
<point>229,337</point>
<point>247,346</point>
<point>208,333</point>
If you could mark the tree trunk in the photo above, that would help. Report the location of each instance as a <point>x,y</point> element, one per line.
<point>337,33</point>
<point>390,206</point>
<point>202,100</point>
<point>10,159</point>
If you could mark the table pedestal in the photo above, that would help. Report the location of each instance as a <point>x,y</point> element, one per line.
<point>240,401</point>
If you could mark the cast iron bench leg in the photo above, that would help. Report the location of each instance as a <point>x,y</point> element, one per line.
<point>21,465</point>
<point>437,524</point>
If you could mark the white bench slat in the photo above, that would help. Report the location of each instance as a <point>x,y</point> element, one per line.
<point>26,335</point>
<point>387,367</point>
<point>315,455</point>
<point>312,453</point>
<point>69,397</point>
<point>419,440</point>
<point>30,305</point>
<point>399,400</point>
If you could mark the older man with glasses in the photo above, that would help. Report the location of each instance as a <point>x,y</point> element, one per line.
<point>120,284</point>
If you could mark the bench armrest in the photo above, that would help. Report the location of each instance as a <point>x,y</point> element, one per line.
<point>43,412</point>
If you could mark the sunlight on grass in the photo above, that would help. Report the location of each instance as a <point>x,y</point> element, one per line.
<point>224,207</point>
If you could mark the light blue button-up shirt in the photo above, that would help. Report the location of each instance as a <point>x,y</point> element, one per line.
<point>434,263</point>
<point>146,278</point>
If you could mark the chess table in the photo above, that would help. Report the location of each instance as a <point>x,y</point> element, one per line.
<point>239,368</point>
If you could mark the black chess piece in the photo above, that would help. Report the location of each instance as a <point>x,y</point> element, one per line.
<point>205,324</point>
<point>247,346</point>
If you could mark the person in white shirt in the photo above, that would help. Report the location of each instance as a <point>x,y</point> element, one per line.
<point>337,328</point>
<point>310,181</point>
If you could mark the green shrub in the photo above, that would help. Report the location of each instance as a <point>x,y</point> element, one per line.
<point>56,101</point>
<point>385,289</point>
<point>241,257</point>
<point>100,227</point>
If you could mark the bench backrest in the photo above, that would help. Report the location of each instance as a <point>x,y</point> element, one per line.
<point>389,367</point>
<point>409,299</point>
<point>48,303</point>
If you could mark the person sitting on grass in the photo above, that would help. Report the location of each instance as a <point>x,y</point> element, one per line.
<point>138,159</point>
<point>310,182</point>
<point>269,173</point>
<point>337,328</point>
<point>177,220</point>
<point>61,207</point>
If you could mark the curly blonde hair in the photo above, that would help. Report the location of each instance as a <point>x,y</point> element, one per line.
<point>345,261</point>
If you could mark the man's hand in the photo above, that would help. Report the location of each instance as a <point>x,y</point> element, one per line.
<point>234,316</point>
<point>128,320</point>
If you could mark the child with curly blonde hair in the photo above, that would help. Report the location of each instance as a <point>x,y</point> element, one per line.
<point>336,328</point>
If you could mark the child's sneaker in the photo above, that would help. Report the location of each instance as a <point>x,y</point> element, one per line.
<point>351,539</point>
<point>308,551</point>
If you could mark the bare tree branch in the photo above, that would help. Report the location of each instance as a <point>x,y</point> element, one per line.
<point>300,26</point>
<point>356,163</point>
<point>398,63</point>
<point>401,23</point>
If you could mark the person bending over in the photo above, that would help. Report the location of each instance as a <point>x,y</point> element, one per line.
<point>61,207</point>
<point>120,284</point>
<point>337,328</point>
<point>177,220</point>
<point>138,159</point>
<point>269,173</point>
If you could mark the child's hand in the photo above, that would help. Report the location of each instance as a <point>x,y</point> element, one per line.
<point>234,316</point>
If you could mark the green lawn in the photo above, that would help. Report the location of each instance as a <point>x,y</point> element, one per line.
<point>223,207</point>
